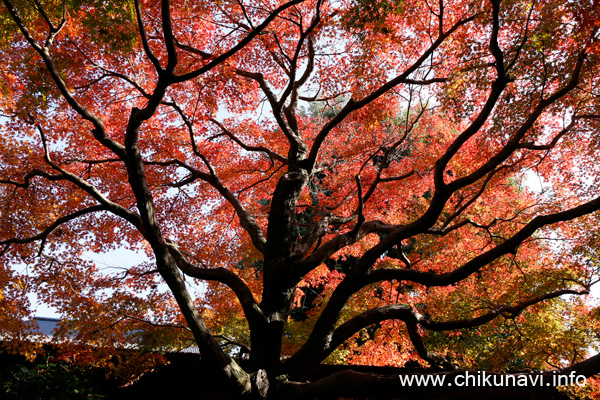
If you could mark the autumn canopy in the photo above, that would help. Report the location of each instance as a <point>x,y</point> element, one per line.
<point>377,182</point>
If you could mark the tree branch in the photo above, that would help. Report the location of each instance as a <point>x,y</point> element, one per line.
<point>353,105</point>
<point>165,10</point>
<point>43,235</point>
<point>251,310</point>
<point>90,189</point>
<point>99,130</point>
<point>246,147</point>
<point>147,50</point>
<point>246,220</point>
<point>221,58</point>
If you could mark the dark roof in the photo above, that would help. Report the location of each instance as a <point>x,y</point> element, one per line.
<point>46,325</point>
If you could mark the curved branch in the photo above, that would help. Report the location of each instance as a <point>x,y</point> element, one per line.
<point>354,105</point>
<point>124,77</point>
<point>43,235</point>
<point>509,246</point>
<point>275,106</point>
<point>247,147</point>
<point>29,177</point>
<point>553,142</point>
<point>514,142</point>
<point>413,319</point>
<point>252,312</point>
<point>407,314</point>
<point>254,33</point>
<point>90,189</point>
<point>99,130</point>
<point>147,50</point>
<point>165,9</point>
<point>246,220</point>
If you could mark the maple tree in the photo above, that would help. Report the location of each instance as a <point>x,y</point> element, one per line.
<point>351,181</point>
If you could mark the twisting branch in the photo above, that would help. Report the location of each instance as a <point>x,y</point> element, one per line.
<point>99,130</point>
<point>254,33</point>
<point>43,235</point>
<point>30,176</point>
<point>251,310</point>
<point>246,220</point>
<point>247,147</point>
<point>165,9</point>
<point>553,142</point>
<point>90,189</point>
<point>353,105</point>
<point>142,30</point>
<point>288,131</point>
<point>413,319</point>
<point>515,140</point>
<point>509,246</point>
